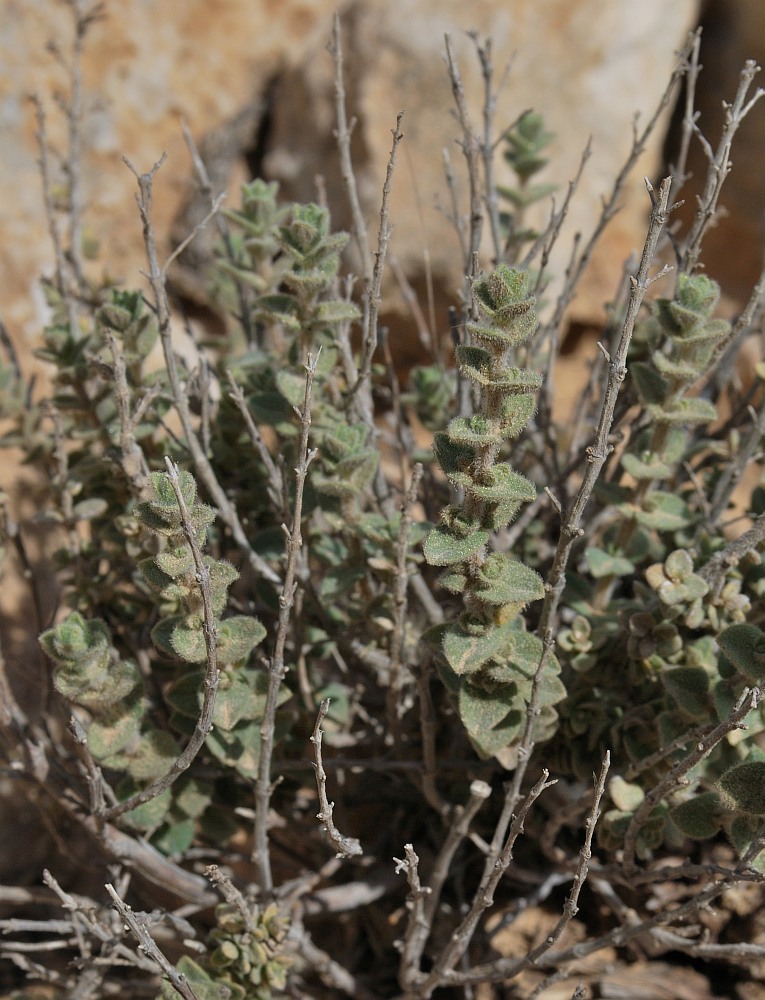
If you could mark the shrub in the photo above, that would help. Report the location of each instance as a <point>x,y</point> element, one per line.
<point>254,548</point>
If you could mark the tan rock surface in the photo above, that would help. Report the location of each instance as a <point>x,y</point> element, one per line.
<point>588,66</point>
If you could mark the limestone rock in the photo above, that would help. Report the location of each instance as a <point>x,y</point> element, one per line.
<point>261,68</point>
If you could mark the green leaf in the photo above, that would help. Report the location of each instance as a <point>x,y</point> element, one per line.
<point>454,581</point>
<point>175,837</point>
<point>504,485</point>
<point>192,797</point>
<point>699,817</point>
<point>452,456</point>
<point>651,387</point>
<point>664,512</point>
<point>241,695</point>
<point>203,986</point>
<point>508,581</point>
<point>337,311</point>
<point>474,431</point>
<point>516,413</point>
<point>744,646</point>
<point>114,730</point>
<point>745,785</point>
<point>154,755</point>
<point>646,467</point>
<point>466,653</point>
<point>603,563</point>
<point>238,748</point>
<point>481,710</point>
<point>339,581</point>
<point>443,548</point>
<point>685,412</point>
<point>237,637</point>
<point>689,686</point>
<point>291,386</point>
<point>181,635</point>
<point>488,742</point>
<point>744,830</point>
<point>149,815</point>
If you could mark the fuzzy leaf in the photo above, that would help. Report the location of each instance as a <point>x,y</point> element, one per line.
<point>744,646</point>
<point>489,742</point>
<point>481,709</point>
<point>516,413</point>
<point>646,467</point>
<point>473,431</point>
<point>291,386</point>
<point>689,686</point>
<point>698,818</point>
<point>603,563</point>
<point>173,562</point>
<point>204,987</point>
<point>237,637</point>
<point>158,579</point>
<point>504,486</point>
<point>508,581</point>
<point>685,412</point>
<point>685,371</point>
<point>153,756</point>
<point>466,653</point>
<point>181,636</point>
<point>337,311</point>
<point>442,548</point>
<point>651,387</point>
<point>664,512</point>
<point>75,638</point>
<point>453,580</point>
<point>176,836</point>
<point>745,785</point>
<point>744,830</point>
<point>115,730</point>
<point>149,815</point>
<point>108,687</point>
<point>238,748</point>
<point>452,456</point>
<point>241,695</point>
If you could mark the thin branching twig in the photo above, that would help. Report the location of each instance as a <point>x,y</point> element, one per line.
<point>137,925</point>
<point>598,452</point>
<point>424,904</point>
<point>346,847</point>
<point>482,900</point>
<point>277,667</point>
<point>158,279</point>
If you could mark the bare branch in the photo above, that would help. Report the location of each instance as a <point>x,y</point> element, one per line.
<point>346,847</point>
<point>137,925</point>
<point>277,667</point>
<point>599,451</point>
<point>202,464</point>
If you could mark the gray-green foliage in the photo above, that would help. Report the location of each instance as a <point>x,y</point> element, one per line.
<point>661,632</point>
<point>656,650</point>
<point>487,659</point>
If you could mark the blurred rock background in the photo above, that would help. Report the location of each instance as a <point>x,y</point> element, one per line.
<point>254,81</point>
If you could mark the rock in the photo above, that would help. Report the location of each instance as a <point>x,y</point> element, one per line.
<point>253,77</point>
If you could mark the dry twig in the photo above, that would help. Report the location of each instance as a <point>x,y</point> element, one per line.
<point>346,847</point>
